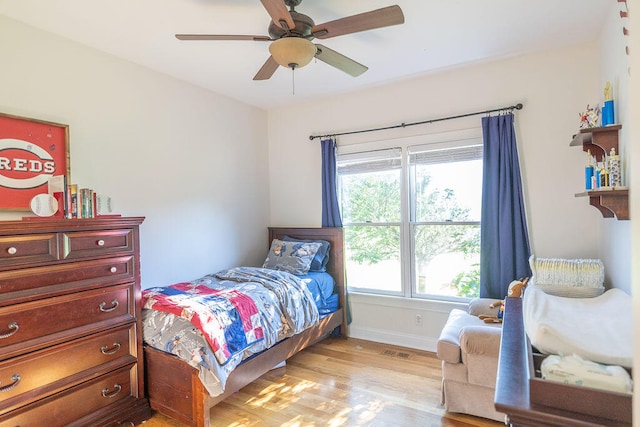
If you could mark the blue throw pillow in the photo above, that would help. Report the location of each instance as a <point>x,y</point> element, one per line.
<point>292,257</point>
<point>320,260</point>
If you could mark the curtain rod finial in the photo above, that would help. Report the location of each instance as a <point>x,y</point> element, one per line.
<point>518,106</point>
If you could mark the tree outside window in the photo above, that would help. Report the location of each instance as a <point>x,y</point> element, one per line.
<point>439,221</point>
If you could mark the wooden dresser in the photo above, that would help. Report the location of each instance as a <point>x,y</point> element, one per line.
<point>70,332</point>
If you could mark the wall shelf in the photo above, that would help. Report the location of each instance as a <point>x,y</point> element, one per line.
<point>599,140</point>
<point>611,202</point>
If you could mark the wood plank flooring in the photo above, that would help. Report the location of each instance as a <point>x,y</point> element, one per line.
<point>342,382</point>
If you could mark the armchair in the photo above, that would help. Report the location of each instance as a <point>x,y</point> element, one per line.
<point>469,349</point>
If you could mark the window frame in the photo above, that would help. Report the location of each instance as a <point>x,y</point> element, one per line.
<point>403,196</point>
<point>407,193</point>
<point>471,147</point>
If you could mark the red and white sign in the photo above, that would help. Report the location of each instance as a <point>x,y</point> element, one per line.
<point>31,152</point>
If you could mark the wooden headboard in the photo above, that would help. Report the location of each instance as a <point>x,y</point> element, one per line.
<point>335,266</point>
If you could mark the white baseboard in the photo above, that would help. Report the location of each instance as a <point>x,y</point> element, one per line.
<point>404,340</point>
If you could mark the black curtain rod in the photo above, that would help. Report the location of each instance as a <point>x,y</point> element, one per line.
<point>403,125</point>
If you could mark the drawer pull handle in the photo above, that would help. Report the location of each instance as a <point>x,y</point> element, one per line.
<point>12,325</point>
<point>12,250</point>
<point>114,350</point>
<point>114,305</point>
<point>106,393</point>
<point>16,379</point>
<point>100,242</point>
<point>113,269</point>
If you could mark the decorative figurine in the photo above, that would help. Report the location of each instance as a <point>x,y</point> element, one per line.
<point>589,118</point>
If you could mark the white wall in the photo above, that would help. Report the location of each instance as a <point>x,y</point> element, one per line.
<point>613,65</point>
<point>621,238</point>
<point>553,86</point>
<point>191,161</point>
<point>634,184</point>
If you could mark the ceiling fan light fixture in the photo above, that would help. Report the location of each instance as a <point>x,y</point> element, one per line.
<point>292,52</point>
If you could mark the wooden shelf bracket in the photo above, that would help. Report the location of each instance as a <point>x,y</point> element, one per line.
<point>611,203</point>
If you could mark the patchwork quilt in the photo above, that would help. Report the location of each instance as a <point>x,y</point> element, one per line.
<point>228,319</point>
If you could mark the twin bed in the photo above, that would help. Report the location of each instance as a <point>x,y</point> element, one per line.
<point>188,371</point>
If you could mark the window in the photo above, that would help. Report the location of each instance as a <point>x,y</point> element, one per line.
<point>411,217</point>
<point>370,197</point>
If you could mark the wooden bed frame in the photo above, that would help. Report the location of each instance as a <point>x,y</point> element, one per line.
<point>531,401</point>
<point>173,386</point>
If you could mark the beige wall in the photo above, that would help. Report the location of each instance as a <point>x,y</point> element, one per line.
<point>191,161</point>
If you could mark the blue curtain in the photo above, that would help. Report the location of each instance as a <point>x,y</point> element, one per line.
<point>504,241</point>
<point>330,208</point>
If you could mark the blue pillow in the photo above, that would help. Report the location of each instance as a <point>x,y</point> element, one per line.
<point>321,286</point>
<point>320,260</point>
<point>292,257</point>
<point>319,283</point>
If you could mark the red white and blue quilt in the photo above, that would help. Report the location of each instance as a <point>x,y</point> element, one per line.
<point>217,321</point>
<point>228,319</point>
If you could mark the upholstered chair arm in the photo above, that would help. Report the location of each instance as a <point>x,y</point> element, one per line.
<point>480,340</point>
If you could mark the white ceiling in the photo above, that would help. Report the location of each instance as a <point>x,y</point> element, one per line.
<point>436,35</point>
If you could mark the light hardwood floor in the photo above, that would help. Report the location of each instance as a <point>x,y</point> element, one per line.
<point>342,382</point>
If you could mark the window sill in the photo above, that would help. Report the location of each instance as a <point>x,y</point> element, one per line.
<point>433,305</point>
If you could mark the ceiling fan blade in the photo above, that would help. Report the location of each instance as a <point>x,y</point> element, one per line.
<point>279,14</point>
<point>387,16</point>
<point>339,61</point>
<point>221,37</point>
<point>267,69</point>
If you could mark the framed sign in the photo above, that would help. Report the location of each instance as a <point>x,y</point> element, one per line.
<point>31,152</point>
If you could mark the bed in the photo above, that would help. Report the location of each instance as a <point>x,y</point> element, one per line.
<point>174,387</point>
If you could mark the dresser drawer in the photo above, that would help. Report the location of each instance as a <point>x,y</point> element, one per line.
<point>31,248</point>
<point>78,406</point>
<point>28,326</point>
<point>30,377</point>
<point>81,244</point>
<point>19,285</point>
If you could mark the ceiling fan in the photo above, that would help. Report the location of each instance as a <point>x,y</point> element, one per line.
<point>291,33</point>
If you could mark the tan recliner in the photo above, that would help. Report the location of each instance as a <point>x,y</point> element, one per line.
<point>469,348</point>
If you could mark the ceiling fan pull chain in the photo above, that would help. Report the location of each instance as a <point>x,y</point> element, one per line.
<point>293,81</point>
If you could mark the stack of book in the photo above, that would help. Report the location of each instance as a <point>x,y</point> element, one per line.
<point>74,202</point>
